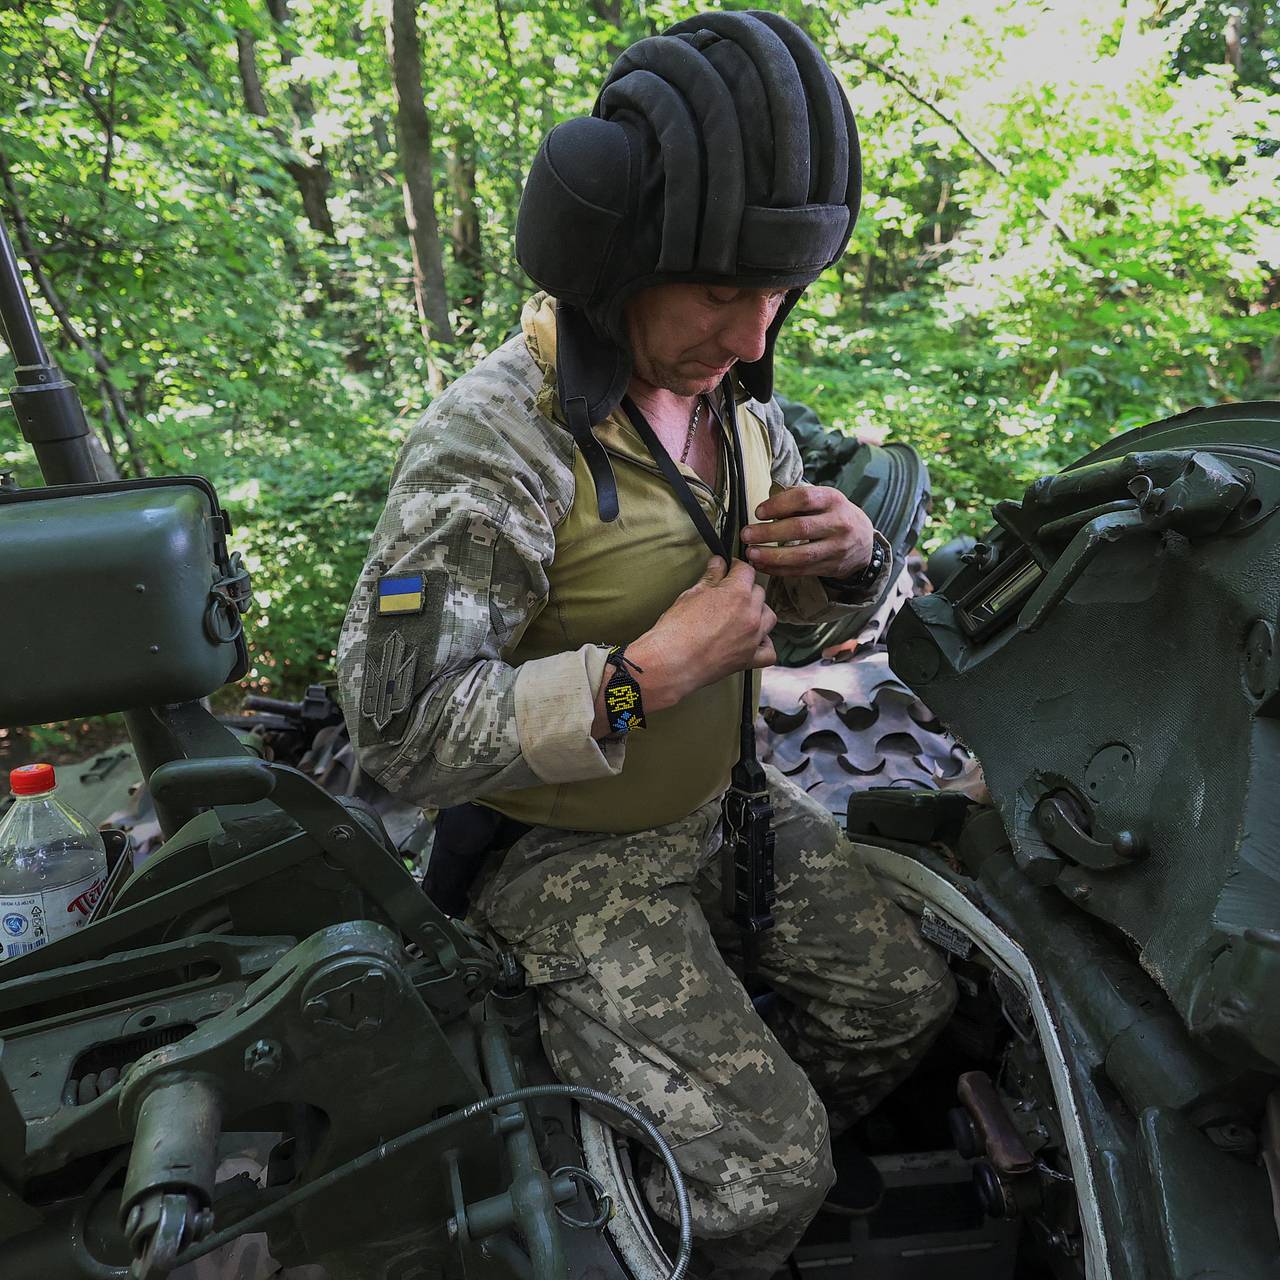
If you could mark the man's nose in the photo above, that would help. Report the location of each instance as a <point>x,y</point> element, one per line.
<point>748,328</point>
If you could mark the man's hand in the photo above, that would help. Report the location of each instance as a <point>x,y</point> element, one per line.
<point>833,537</point>
<point>719,626</point>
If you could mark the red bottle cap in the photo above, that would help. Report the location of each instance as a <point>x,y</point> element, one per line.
<point>32,779</point>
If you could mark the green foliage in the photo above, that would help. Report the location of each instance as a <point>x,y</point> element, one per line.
<point>1075,241</point>
<point>306,516</point>
<point>1069,227</point>
<point>1209,27</point>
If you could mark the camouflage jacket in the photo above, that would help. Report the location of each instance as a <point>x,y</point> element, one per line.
<point>484,479</point>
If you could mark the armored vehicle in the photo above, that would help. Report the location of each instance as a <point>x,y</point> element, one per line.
<point>268,1049</point>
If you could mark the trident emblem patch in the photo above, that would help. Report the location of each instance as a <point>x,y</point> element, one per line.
<point>389,685</point>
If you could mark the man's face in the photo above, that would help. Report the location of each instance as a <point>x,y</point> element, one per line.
<point>685,337</point>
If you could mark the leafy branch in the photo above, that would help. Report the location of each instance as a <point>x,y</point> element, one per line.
<point>997,164</point>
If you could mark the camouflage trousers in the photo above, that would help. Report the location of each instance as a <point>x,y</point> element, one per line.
<point>624,938</point>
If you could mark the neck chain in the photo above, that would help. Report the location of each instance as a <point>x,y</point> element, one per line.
<point>694,420</point>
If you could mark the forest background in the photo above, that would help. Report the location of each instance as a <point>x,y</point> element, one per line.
<point>262,233</point>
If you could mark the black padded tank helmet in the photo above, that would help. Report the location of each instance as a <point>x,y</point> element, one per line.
<point>723,152</point>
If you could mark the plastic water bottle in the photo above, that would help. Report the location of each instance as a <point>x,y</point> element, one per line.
<point>53,864</point>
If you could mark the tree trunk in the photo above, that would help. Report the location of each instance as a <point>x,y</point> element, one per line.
<point>103,460</point>
<point>377,123</point>
<point>1231,36</point>
<point>467,252</point>
<point>311,179</point>
<point>413,135</point>
<point>610,11</point>
<point>314,179</point>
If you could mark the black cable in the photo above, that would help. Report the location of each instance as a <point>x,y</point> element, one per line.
<point>717,545</point>
<point>255,1221</point>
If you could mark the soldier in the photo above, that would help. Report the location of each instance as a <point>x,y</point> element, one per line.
<point>541,645</point>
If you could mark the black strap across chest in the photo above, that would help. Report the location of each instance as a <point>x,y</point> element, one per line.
<point>717,544</point>
<point>725,545</point>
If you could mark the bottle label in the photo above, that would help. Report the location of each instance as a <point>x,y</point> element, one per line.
<point>30,920</point>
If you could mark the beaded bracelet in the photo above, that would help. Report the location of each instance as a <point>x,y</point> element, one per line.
<point>622,699</point>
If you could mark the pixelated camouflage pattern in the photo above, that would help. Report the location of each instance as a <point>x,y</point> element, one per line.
<point>472,506</point>
<point>482,483</point>
<point>625,940</point>
<point>619,932</point>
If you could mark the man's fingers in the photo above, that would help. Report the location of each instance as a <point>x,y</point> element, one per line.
<point>794,501</point>
<point>741,574</point>
<point>765,654</point>
<point>801,558</point>
<point>768,620</point>
<point>805,528</point>
<point>714,572</point>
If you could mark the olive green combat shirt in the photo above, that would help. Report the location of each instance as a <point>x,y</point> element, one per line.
<point>485,689</point>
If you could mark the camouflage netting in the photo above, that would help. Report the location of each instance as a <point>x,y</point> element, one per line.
<point>846,723</point>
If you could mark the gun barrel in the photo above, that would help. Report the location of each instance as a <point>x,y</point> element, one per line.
<point>15,309</point>
<point>47,406</point>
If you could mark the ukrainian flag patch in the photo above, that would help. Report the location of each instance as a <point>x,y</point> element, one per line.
<point>401,594</point>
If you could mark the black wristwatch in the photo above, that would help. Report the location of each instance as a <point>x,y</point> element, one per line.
<point>871,570</point>
<point>856,583</point>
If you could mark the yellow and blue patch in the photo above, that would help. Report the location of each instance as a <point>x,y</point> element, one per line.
<point>401,594</point>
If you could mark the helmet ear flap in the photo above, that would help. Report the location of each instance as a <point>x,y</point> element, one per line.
<point>574,204</point>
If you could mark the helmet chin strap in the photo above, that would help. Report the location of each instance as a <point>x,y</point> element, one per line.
<point>587,397</point>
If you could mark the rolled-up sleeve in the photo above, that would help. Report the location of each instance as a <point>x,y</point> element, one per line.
<point>455,573</point>
<point>555,709</point>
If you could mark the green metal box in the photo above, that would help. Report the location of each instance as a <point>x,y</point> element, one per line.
<point>115,596</point>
